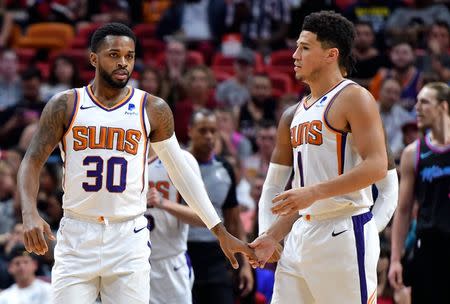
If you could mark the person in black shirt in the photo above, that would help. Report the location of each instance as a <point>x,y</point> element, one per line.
<point>425,177</point>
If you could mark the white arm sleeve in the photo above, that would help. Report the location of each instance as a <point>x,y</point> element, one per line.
<point>192,162</point>
<point>276,180</point>
<point>186,180</point>
<point>386,201</point>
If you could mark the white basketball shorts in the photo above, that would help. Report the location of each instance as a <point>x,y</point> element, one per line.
<point>107,259</point>
<point>329,261</point>
<point>171,280</point>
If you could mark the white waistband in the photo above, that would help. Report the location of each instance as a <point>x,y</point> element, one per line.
<point>334,214</point>
<point>98,219</point>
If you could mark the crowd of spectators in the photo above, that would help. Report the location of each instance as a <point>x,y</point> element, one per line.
<point>230,56</point>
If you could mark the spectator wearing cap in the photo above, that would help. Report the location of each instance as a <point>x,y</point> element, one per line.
<point>392,114</point>
<point>234,92</point>
<point>27,288</point>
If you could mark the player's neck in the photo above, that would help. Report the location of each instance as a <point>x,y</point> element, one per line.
<point>324,83</point>
<point>440,132</point>
<point>107,95</point>
<point>201,156</point>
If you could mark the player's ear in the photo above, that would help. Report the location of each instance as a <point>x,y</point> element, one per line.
<point>93,59</point>
<point>333,54</point>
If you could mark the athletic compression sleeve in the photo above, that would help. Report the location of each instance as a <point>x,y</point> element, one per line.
<point>276,180</point>
<point>187,182</point>
<point>386,201</point>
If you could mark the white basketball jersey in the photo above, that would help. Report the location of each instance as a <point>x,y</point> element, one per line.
<point>105,156</point>
<point>322,153</point>
<point>167,233</point>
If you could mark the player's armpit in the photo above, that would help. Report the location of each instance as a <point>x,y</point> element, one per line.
<point>160,117</point>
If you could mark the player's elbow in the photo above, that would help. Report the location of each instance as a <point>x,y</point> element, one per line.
<point>379,170</point>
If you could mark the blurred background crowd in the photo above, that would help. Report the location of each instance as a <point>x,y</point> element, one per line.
<point>230,56</point>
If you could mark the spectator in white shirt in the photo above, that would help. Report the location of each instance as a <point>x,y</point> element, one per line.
<point>27,288</point>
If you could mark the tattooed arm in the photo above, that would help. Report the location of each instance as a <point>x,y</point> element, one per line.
<point>188,183</point>
<point>52,124</point>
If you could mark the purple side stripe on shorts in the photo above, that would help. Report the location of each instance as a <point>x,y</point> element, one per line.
<point>189,263</point>
<point>358,228</point>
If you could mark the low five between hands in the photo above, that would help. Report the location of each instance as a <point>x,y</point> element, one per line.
<point>266,247</point>
<point>34,229</point>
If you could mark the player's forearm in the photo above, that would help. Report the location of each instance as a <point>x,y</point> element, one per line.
<point>181,212</point>
<point>365,174</point>
<point>282,226</point>
<point>189,184</point>
<point>28,186</point>
<point>402,220</point>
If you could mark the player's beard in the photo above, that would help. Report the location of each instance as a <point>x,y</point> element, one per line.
<point>109,80</point>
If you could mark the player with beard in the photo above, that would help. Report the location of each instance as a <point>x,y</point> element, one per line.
<point>403,59</point>
<point>104,130</point>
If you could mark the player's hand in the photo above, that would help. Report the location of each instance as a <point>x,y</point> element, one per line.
<point>231,245</point>
<point>293,200</point>
<point>153,198</point>
<point>395,275</point>
<point>267,249</point>
<point>246,280</point>
<point>34,229</point>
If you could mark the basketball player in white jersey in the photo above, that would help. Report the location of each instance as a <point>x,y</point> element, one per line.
<point>172,276</point>
<point>334,140</point>
<point>104,131</point>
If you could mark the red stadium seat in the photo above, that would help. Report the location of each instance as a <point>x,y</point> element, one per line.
<point>151,50</point>
<point>83,36</point>
<point>221,75</point>
<point>193,58</point>
<point>144,31</point>
<point>281,84</point>
<point>225,63</point>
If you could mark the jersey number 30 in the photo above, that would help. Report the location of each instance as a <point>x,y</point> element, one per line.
<point>113,164</point>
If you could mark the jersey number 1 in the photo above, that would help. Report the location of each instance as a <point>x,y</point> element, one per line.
<point>97,173</point>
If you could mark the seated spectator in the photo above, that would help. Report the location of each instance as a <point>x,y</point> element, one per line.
<point>234,92</point>
<point>392,114</point>
<point>268,25</point>
<point>15,118</point>
<point>103,11</point>
<point>27,288</point>
<point>7,190</point>
<point>403,59</point>
<point>173,70</point>
<point>232,142</point>
<point>436,59</point>
<point>367,57</point>
<point>260,107</point>
<point>420,12</point>
<point>63,76</point>
<point>200,23</point>
<point>258,163</point>
<point>150,81</point>
<point>199,84</point>
<point>10,83</point>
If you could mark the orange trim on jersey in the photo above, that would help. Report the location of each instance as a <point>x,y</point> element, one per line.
<point>142,113</point>
<point>117,105</point>
<point>74,115</point>
<point>372,297</point>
